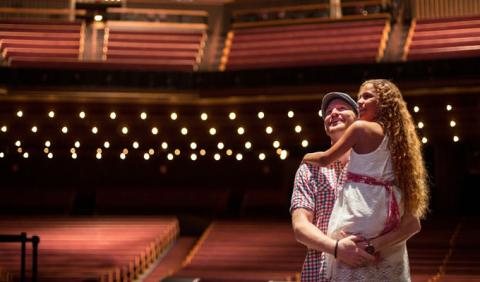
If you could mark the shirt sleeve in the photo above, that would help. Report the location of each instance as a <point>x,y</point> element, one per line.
<point>303,195</point>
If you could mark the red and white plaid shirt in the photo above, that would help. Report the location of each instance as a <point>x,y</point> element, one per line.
<point>314,190</point>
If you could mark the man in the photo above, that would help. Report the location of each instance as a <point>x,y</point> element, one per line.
<point>313,199</point>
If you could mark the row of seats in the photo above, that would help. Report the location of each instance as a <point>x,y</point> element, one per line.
<point>121,249</point>
<point>443,38</point>
<point>37,40</point>
<point>60,44</point>
<point>245,251</point>
<point>325,42</point>
<point>155,46</point>
<point>446,250</point>
<point>180,49</point>
<point>89,249</point>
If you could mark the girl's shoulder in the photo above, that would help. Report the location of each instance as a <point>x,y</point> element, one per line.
<point>367,128</point>
<point>370,127</point>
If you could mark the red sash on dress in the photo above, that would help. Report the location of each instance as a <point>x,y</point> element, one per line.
<point>393,213</point>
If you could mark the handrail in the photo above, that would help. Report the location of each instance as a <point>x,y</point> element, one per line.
<point>241,25</point>
<point>23,239</point>
<point>35,11</point>
<point>306,7</point>
<point>141,11</point>
<point>282,8</point>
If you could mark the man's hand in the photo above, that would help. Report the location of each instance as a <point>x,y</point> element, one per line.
<point>349,253</point>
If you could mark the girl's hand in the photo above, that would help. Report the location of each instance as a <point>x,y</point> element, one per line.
<point>312,158</point>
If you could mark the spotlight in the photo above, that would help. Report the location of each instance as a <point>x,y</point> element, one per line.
<point>135,145</point>
<point>204,116</point>
<point>19,114</point>
<point>94,130</point>
<point>304,143</point>
<point>456,138</point>
<point>449,107</point>
<point>212,131</point>
<point>106,144</point>
<point>193,157</point>
<point>193,145</point>
<point>420,124</point>
<point>124,130</point>
<point>452,123</point>
<point>298,129</point>
<point>173,116</point>
<point>239,157</point>
<point>276,144</point>
<point>240,130</point>
<point>184,131</point>
<point>424,140</point>
<point>154,130</point>
<point>65,130</point>
<point>170,157</point>
<point>51,114</point>
<point>34,129</point>
<point>82,115</point>
<point>290,114</point>
<point>164,145</point>
<point>269,130</point>
<point>261,156</point>
<point>217,156</point>
<point>232,116</point>
<point>113,115</point>
<point>220,145</point>
<point>416,109</point>
<point>248,145</point>
<point>261,115</point>
<point>143,115</point>
<point>4,128</point>
<point>47,143</point>
<point>146,156</point>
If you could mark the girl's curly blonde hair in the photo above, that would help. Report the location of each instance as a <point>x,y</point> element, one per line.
<point>404,146</point>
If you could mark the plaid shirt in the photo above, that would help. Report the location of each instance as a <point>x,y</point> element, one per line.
<point>314,190</point>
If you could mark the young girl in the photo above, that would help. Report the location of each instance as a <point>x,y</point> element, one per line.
<point>385,178</point>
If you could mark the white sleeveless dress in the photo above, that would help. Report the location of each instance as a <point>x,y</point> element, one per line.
<point>363,209</point>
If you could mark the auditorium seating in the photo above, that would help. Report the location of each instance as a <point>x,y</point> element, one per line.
<point>89,249</point>
<point>324,42</point>
<point>172,48</point>
<point>245,251</point>
<point>37,40</point>
<point>444,38</point>
<point>446,250</point>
